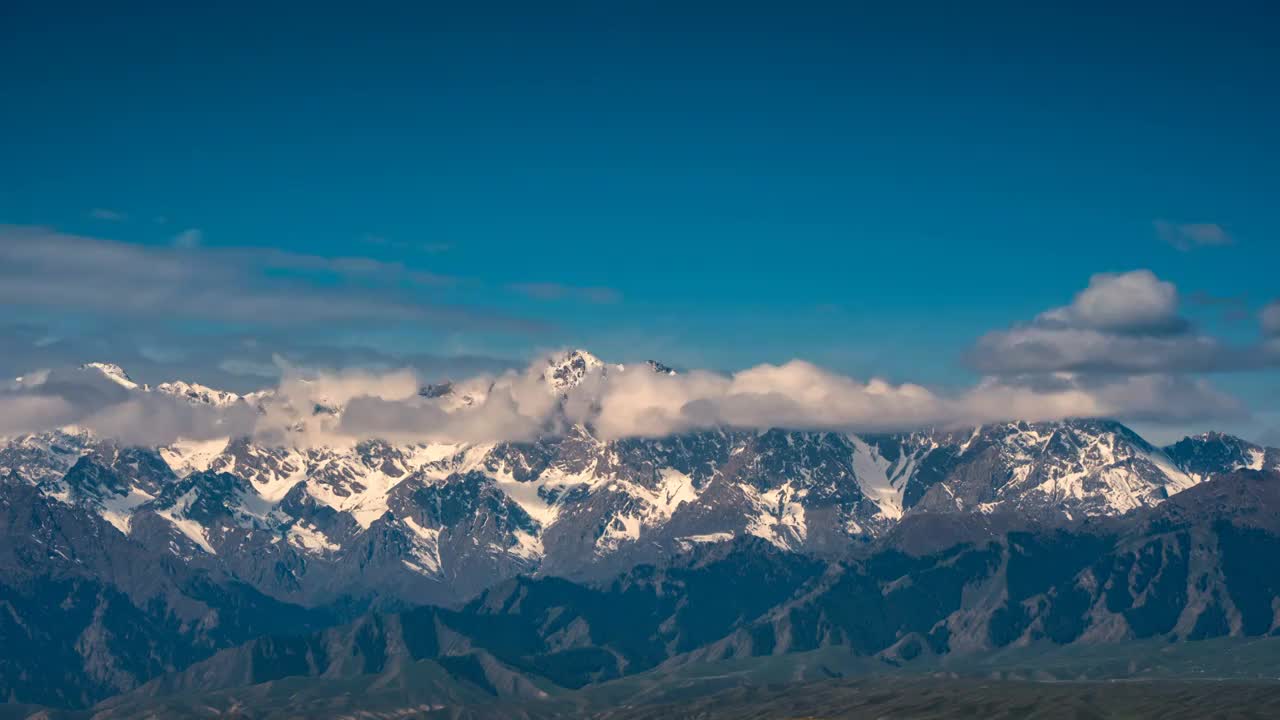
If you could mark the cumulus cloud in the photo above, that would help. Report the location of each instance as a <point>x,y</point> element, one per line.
<point>27,412</point>
<point>800,395</point>
<point>1189,236</point>
<point>794,395</point>
<point>1126,323</point>
<point>511,406</point>
<point>152,419</point>
<point>500,417</point>
<point>308,406</point>
<point>1132,303</point>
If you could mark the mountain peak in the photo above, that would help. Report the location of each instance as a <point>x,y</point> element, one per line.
<point>197,393</point>
<point>659,368</point>
<point>569,369</point>
<point>112,372</point>
<point>1215,436</point>
<point>1216,452</point>
<point>576,355</point>
<point>436,390</point>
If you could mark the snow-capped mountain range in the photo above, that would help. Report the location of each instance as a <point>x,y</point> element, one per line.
<point>434,522</point>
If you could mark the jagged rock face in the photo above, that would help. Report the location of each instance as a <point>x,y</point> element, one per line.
<point>462,531</point>
<point>44,457</point>
<point>1210,453</point>
<point>1189,572</point>
<point>1078,469</point>
<point>89,482</point>
<point>570,369</point>
<point>90,612</point>
<point>111,481</point>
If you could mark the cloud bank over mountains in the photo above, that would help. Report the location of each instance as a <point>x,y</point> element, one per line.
<point>1121,348</point>
<point>616,401</point>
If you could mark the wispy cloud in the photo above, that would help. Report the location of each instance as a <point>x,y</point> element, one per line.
<point>549,291</point>
<point>1205,299</point>
<point>1189,236</point>
<point>188,239</point>
<point>1131,303</point>
<point>427,247</point>
<point>108,215</point>
<point>44,268</point>
<point>1234,308</point>
<point>239,361</point>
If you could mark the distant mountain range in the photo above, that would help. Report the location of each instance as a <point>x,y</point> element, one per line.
<point>1126,591</point>
<point>572,560</point>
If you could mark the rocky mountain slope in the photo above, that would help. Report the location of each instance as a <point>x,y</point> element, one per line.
<point>1190,570</point>
<point>88,612</point>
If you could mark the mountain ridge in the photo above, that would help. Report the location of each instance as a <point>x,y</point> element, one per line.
<point>556,501</point>
<point>390,525</point>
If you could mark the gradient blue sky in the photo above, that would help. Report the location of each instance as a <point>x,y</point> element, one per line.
<point>868,186</point>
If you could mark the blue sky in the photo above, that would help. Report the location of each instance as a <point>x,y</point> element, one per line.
<point>869,188</point>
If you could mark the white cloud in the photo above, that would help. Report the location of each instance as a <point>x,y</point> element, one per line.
<point>803,396</point>
<point>1121,323</point>
<point>1135,302</point>
<point>108,215</point>
<point>22,413</point>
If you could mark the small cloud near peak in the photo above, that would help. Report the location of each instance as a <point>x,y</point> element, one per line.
<point>108,215</point>
<point>1189,236</point>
